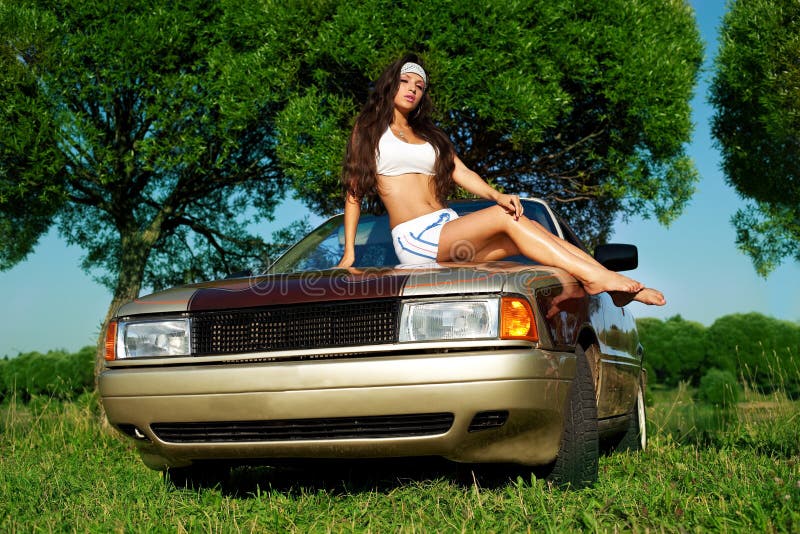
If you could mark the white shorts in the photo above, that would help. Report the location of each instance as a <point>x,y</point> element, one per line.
<point>417,240</point>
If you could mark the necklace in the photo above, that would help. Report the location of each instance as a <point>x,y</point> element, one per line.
<point>400,134</point>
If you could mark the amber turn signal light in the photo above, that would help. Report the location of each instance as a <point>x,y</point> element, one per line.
<point>517,320</point>
<point>111,341</point>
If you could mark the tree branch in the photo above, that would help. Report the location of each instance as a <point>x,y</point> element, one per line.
<point>208,233</point>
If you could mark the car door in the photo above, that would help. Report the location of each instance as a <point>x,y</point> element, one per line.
<point>620,359</point>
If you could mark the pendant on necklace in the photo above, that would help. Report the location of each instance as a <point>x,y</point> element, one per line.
<point>401,135</point>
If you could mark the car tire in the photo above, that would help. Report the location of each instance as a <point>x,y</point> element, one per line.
<point>576,465</point>
<point>635,437</point>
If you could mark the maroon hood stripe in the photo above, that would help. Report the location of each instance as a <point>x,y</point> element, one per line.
<point>316,286</point>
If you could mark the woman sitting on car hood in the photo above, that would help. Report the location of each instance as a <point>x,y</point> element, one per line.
<point>397,154</point>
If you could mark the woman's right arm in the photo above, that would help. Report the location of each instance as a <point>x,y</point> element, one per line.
<point>352,211</point>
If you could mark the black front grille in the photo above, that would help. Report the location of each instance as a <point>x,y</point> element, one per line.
<point>296,326</point>
<point>382,426</point>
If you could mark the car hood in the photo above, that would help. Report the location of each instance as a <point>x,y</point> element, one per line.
<point>337,285</point>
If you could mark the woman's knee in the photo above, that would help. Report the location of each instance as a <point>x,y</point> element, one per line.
<point>501,219</point>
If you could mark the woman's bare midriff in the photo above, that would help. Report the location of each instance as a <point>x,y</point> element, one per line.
<point>407,196</point>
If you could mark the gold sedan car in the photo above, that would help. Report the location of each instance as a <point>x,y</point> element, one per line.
<point>497,362</point>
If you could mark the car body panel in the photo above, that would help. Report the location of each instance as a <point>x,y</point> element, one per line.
<point>530,436</point>
<point>529,385</point>
<point>620,359</point>
<point>170,301</point>
<point>299,288</point>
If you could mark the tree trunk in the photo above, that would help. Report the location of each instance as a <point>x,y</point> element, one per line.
<point>116,302</point>
<point>134,253</point>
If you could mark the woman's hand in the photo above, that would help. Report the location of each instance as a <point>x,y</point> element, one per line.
<point>511,204</point>
<point>348,258</point>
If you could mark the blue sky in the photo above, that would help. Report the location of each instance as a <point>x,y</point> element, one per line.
<point>50,303</point>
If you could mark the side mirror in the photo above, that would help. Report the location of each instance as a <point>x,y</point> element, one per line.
<point>617,256</point>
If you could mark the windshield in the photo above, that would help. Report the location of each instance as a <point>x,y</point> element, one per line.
<point>323,247</point>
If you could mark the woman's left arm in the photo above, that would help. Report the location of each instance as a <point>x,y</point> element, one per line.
<point>469,180</point>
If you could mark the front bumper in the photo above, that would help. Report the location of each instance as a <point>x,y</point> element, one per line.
<point>531,385</point>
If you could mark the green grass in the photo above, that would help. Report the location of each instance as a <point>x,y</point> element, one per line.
<point>704,471</point>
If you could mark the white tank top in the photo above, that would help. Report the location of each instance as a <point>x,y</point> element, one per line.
<point>396,157</point>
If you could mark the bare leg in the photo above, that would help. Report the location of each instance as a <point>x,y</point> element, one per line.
<point>485,228</point>
<point>564,243</point>
<point>502,247</point>
<point>492,234</point>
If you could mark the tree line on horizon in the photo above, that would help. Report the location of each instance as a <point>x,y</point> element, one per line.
<point>153,135</point>
<point>759,351</point>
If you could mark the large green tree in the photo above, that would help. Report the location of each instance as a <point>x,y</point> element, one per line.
<point>584,103</point>
<point>756,93</point>
<point>143,131</point>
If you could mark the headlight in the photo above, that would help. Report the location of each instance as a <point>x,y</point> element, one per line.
<point>455,319</point>
<point>168,337</point>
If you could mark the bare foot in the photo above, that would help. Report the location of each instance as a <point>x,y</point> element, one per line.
<point>611,281</point>
<point>645,296</point>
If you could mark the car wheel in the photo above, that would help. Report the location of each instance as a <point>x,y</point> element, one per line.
<point>635,437</point>
<point>196,476</point>
<point>577,460</point>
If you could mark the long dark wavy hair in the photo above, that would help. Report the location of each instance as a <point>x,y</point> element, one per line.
<point>359,172</point>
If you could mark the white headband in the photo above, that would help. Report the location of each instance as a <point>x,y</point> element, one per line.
<point>415,69</point>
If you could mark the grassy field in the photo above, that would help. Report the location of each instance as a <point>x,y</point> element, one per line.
<point>705,470</point>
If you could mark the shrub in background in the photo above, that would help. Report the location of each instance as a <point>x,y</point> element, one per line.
<point>720,388</point>
<point>764,351</point>
<point>675,350</point>
<point>56,374</point>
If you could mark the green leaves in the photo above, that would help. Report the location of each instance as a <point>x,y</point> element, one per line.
<point>144,131</point>
<point>585,104</point>
<point>312,135</point>
<point>29,194</point>
<point>762,350</point>
<point>768,233</point>
<point>153,134</point>
<point>675,350</point>
<point>756,93</point>
<point>55,375</point>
